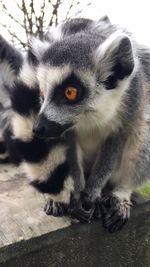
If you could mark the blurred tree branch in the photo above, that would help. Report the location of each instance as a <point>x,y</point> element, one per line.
<point>33,17</point>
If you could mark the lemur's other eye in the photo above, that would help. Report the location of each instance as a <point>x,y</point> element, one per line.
<point>42,93</point>
<point>71,93</point>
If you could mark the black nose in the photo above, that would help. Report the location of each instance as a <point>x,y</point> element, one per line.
<point>44,128</point>
<point>39,130</point>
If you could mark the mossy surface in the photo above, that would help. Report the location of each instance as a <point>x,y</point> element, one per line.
<point>145,189</point>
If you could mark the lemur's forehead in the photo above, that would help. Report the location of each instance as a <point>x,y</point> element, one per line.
<point>73,50</point>
<point>51,76</point>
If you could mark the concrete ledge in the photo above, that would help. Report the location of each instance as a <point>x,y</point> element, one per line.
<point>29,238</point>
<point>22,216</point>
<point>86,245</point>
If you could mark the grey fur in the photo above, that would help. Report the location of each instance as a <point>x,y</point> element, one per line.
<point>107,139</point>
<point>109,64</point>
<point>77,43</point>
<point>11,61</point>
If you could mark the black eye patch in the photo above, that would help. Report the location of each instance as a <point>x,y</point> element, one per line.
<point>58,95</point>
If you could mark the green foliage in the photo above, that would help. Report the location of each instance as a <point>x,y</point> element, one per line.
<point>145,189</point>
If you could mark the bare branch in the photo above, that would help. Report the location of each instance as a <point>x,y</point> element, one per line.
<point>32,13</point>
<point>43,9</point>
<point>25,18</point>
<point>40,19</point>
<point>14,36</point>
<point>69,9</point>
<point>19,7</point>
<point>31,22</point>
<point>24,9</point>
<point>55,13</point>
<point>10,15</point>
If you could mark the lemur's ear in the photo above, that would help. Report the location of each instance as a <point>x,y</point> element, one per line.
<point>10,55</point>
<point>105,19</point>
<point>37,48</point>
<point>11,60</point>
<point>114,59</point>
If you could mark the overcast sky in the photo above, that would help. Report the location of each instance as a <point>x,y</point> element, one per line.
<point>131,14</point>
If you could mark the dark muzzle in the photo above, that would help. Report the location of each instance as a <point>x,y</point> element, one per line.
<point>44,128</point>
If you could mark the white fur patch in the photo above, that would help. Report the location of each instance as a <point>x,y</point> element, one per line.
<point>42,170</point>
<point>49,76</point>
<point>22,127</point>
<point>89,144</point>
<point>28,75</point>
<point>65,194</point>
<point>38,47</point>
<point>123,194</point>
<point>103,114</point>
<point>109,102</point>
<point>7,77</point>
<point>112,42</point>
<point>3,156</point>
<point>55,33</point>
<point>104,111</point>
<point>103,118</point>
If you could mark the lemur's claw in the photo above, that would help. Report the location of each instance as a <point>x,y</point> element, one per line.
<point>97,212</point>
<point>115,212</point>
<point>56,209</point>
<point>83,215</point>
<point>82,209</point>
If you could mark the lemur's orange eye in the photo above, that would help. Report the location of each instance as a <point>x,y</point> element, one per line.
<point>71,93</point>
<point>42,93</point>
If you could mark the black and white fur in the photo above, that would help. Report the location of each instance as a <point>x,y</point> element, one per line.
<point>10,63</point>
<point>111,115</point>
<point>51,165</point>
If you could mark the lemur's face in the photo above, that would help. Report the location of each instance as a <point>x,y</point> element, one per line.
<point>82,80</point>
<point>67,97</point>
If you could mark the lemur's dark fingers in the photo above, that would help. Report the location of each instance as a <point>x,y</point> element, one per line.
<point>79,212</point>
<point>114,223</point>
<point>48,208</point>
<point>97,212</point>
<point>82,215</point>
<point>56,209</point>
<point>115,214</point>
<point>82,209</point>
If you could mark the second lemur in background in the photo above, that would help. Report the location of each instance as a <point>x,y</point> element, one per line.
<point>11,61</point>
<point>51,165</point>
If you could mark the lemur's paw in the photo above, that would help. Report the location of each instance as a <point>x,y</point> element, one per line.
<point>97,211</point>
<point>82,209</point>
<point>56,209</point>
<point>115,212</point>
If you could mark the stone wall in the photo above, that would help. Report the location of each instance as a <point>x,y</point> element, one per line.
<point>29,238</point>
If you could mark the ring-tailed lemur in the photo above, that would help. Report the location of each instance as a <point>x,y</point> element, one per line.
<point>95,81</point>
<point>10,62</point>
<point>51,165</point>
